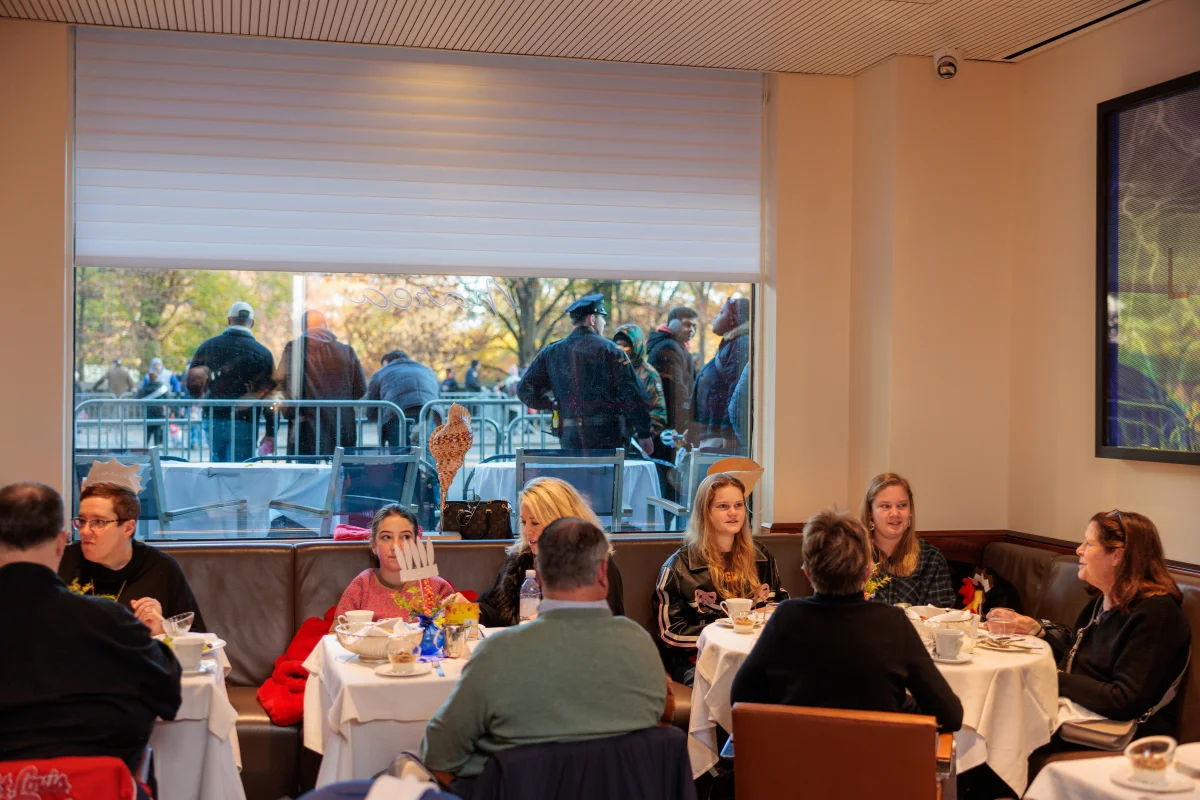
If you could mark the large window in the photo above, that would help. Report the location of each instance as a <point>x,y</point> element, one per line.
<point>230,386</point>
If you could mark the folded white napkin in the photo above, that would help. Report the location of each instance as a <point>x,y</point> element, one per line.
<point>407,788</point>
<point>961,615</point>
<point>376,630</point>
<point>916,612</point>
<point>1070,711</point>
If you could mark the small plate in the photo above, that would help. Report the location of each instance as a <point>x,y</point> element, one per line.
<point>205,668</point>
<point>726,622</point>
<point>963,658</point>
<point>1187,759</point>
<point>422,668</point>
<point>1015,647</point>
<point>215,644</point>
<point>1123,776</point>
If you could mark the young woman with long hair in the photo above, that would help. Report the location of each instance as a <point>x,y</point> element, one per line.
<point>717,560</point>
<point>917,573</point>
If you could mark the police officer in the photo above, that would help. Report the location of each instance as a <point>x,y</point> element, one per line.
<point>599,398</point>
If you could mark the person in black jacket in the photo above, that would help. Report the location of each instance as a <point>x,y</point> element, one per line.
<point>718,559</point>
<point>718,378</point>
<point>837,649</point>
<point>81,676</point>
<point>1132,641</point>
<point>406,383</point>
<point>667,352</point>
<point>107,561</point>
<point>543,500</point>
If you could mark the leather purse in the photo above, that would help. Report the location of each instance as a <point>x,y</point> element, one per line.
<point>477,519</point>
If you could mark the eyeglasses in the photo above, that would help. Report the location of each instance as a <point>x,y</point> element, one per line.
<point>80,524</point>
<point>1120,522</point>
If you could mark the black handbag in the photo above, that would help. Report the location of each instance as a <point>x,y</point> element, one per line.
<point>477,519</point>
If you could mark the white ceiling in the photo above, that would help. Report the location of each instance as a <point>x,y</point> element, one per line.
<point>839,37</point>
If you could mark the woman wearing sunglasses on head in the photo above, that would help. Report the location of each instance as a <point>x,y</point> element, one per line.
<point>1130,645</point>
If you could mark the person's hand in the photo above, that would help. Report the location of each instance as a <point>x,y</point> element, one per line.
<point>647,445</point>
<point>1022,623</point>
<point>267,446</point>
<point>149,613</point>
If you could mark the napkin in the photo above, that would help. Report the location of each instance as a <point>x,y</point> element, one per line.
<point>375,630</point>
<point>961,615</point>
<point>407,788</point>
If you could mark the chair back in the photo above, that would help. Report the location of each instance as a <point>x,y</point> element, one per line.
<point>824,750</point>
<point>650,764</point>
<point>365,479</point>
<point>150,471</point>
<point>67,777</point>
<point>595,474</point>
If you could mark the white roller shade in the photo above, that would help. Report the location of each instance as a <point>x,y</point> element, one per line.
<point>235,153</point>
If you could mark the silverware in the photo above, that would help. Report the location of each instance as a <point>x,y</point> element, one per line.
<point>438,667</point>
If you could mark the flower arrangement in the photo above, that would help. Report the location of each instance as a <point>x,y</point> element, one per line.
<point>875,583</point>
<point>420,600</point>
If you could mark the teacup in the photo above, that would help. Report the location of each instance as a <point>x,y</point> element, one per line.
<point>356,616</point>
<point>189,649</point>
<point>1150,757</point>
<point>948,642</point>
<point>743,622</point>
<point>736,605</point>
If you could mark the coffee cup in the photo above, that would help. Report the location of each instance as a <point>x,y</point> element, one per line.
<point>948,642</point>
<point>1150,758</point>
<point>736,605</point>
<point>356,616</point>
<point>189,649</point>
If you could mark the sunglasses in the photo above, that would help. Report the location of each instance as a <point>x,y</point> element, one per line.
<point>1115,514</point>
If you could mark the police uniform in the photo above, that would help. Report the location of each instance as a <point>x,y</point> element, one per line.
<point>599,399</point>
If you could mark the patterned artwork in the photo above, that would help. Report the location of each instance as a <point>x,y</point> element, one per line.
<point>1151,230</point>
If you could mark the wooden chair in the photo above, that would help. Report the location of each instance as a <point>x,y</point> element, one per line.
<point>819,753</point>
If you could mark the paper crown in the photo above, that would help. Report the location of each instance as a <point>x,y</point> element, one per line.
<point>113,471</point>
<point>745,470</point>
<point>416,559</point>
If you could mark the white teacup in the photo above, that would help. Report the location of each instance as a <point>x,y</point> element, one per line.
<point>189,649</point>
<point>356,616</point>
<point>735,606</point>
<point>948,642</point>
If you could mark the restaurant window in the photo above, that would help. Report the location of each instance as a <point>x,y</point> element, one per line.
<point>246,384</point>
<point>260,224</point>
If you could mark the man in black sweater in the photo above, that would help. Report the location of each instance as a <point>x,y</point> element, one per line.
<point>838,650</point>
<point>80,675</point>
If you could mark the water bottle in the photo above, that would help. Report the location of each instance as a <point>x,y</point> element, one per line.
<point>531,596</point>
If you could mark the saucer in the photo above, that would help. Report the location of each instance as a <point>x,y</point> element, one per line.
<point>1187,759</point>
<point>726,622</point>
<point>422,668</point>
<point>215,644</point>
<point>205,668</point>
<point>1123,776</point>
<point>963,658</point>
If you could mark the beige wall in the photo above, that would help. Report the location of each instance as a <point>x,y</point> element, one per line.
<point>35,86</point>
<point>1056,481</point>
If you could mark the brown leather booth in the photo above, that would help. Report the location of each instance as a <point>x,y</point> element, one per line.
<point>256,595</point>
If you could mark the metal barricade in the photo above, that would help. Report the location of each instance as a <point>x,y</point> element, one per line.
<point>483,410</point>
<point>106,423</point>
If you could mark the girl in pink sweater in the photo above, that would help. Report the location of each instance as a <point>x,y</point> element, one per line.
<point>381,589</point>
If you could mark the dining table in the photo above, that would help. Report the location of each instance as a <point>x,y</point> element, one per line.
<point>1096,779</point>
<point>360,721</point>
<point>187,485</point>
<point>1010,702</point>
<point>196,755</point>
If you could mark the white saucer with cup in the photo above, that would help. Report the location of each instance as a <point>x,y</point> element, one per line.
<point>736,606</point>
<point>948,643</point>
<point>356,616</point>
<point>189,649</point>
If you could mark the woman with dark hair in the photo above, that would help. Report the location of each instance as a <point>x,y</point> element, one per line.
<point>916,572</point>
<point>381,589</point>
<point>1131,643</point>
<point>719,559</point>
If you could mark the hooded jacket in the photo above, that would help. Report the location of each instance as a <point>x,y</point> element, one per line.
<point>674,364</point>
<point>716,382</point>
<point>647,374</point>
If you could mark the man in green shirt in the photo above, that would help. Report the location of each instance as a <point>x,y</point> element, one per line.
<point>576,672</point>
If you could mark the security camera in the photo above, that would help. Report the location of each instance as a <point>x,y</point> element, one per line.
<point>945,63</point>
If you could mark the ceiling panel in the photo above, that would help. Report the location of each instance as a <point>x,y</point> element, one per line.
<point>837,37</point>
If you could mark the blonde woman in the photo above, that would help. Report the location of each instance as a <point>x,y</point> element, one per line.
<point>543,500</point>
<point>917,573</point>
<point>717,560</point>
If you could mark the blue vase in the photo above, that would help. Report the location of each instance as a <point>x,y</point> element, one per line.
<point>431,638</point>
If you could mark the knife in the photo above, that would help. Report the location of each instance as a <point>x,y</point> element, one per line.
<point>438,667</point>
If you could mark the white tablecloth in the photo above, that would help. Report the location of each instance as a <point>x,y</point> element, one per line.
<point>1009,703</point>
<point>360,721</point>
<point>639,480</point>
<point>187,485</point>
<point>196,757</point>
<point>1091,779</point>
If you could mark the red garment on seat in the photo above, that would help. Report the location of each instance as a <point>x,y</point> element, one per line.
<point>282,696</point>
<point>67,778</point>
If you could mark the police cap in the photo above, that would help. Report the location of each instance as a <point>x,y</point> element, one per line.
<point>592,304</point>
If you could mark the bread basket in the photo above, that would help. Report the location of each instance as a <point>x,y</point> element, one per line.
<point>367,640</point>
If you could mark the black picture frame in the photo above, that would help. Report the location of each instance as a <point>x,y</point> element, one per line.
<point>1104,231</point>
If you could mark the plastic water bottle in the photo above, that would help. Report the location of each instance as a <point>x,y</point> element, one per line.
<point>531,596</point>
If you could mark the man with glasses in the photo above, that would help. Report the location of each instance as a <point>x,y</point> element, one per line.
<point>81,676</point>
<point>108,562</point>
